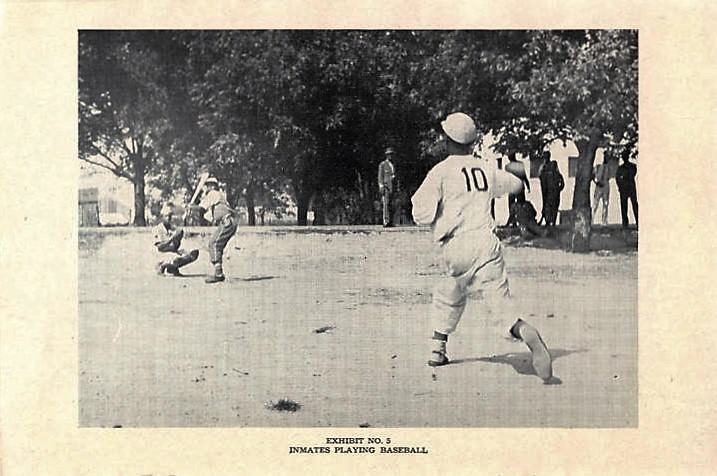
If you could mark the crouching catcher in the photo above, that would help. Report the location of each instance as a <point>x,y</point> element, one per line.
<point>168,242</point>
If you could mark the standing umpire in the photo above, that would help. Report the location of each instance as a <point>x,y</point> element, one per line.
<point>386,174</point>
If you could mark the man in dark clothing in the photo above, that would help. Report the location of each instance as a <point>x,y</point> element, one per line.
<point>386,175</point>
<point>551,184</point>
<point>625,179</point>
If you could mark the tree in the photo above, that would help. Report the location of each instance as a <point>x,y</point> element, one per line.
<point>122,105</point>
<point>239,80</point>
<point>581,86</point>
<point>360,94</point>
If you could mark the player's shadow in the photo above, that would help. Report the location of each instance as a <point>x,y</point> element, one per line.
<point>255,278</point>
<point>522,361</point>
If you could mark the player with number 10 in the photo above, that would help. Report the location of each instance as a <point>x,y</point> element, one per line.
<point>454,199</point>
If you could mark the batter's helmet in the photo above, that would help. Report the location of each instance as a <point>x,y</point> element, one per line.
<point>460,128</point>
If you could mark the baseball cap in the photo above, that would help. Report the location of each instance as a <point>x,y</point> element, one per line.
<point>460,128</point>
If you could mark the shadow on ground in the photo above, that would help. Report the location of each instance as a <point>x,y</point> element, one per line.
<point>604,240</point>
<point>521,361</point>
<point>255,278</point>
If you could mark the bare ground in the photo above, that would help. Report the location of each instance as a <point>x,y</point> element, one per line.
<point>337,321</point>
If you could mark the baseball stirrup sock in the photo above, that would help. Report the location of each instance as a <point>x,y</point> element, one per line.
<point>440,336</point>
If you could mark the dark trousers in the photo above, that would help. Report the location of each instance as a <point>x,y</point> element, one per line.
<point>226,229</point>
<point>550,210</point>
<point>387,208</point>
<point>514,198</point>
<point>626,195</point>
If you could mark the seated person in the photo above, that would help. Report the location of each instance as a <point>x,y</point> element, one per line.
<point>525,214</point>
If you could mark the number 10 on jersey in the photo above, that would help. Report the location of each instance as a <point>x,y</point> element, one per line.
<point>479,185</point>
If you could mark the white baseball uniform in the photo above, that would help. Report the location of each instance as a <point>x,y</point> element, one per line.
<point>454,199</point>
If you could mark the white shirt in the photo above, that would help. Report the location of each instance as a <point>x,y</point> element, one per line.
<point>455,196</point>
<point>215,204</point>
<point>162,233</point>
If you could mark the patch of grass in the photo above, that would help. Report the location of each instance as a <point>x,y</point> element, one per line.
<point>284,405</point>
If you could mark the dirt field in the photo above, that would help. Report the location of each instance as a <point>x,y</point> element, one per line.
<point>337,320</point>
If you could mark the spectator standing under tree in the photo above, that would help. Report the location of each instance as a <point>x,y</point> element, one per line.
<point>625,179</point>
<point>386,174</point>
<point>542,170</point>
<point>551,184</point>
<point>601,177</point>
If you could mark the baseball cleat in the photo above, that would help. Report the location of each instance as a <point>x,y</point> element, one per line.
<point>542,362</point>
<point>214,279</point>
<point>439,358</point>
<point>160,268</point>
<point>173,270</point>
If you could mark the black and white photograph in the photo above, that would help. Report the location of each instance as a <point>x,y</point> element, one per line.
<point>358,228</point>
<point>382,237</point>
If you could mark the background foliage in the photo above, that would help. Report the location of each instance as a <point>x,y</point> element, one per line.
<point>308,114</point>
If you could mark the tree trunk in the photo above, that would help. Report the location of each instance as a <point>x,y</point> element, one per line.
<point>250,212</point>
<point>139,195</point>
<point>302,210</point>
<point>304,181</point>
<point>319,207</point>
<point>233,196</point>
<point>582,213</point>
<point>303,199</point>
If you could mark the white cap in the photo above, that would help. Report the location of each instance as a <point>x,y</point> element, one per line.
<point>460,128</point>
<point>211,180</point>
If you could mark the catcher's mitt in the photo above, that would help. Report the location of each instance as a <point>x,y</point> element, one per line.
<point>172,244</point>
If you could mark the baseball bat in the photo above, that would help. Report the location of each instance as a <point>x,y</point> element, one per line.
<point>202,179</point>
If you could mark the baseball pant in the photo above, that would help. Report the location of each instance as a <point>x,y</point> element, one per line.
<point>604,198</point>
<point>226,229</point>
<point>178,259</point>
<point>471,272</point>
<point>386,199</point>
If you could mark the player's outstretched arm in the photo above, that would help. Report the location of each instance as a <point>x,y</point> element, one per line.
<point>425,200</point>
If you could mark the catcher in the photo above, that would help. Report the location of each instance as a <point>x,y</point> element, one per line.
<point>168,241</point>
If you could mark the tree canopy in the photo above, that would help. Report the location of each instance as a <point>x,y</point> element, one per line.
<point>310,112</point>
